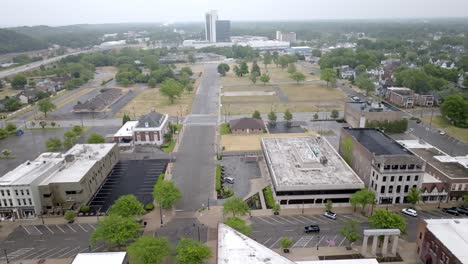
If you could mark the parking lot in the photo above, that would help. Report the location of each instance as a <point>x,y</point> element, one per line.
<point>136,177</point>
<point>242,172</point>
<point>49,241</point>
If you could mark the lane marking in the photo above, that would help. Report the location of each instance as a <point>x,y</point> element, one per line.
<point>44,253</point>
<point>71,228</point>
<point>58,251</point>
<point>305,218</point>
<point>92,226</point>
<point>275,242</point>
<point>83,228</point>
<point>66,253</point>
<point>25,229</point>
<point>283,218</point>
<point>32,254</point>
<point>267,241</point>
<point>319,241</point>
<point>40,233</point>
<point>99,247</point>
<point>50,230</point>
<point>316,219</point>
<point>60,228</point>
<point>344,238</point>
<point>274,220</point>
<point>300,221</point>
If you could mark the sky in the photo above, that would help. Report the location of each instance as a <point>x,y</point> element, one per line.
<point>67,12</point>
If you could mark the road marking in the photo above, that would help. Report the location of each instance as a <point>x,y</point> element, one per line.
<point>270,218</point>
<point>18,253</point>
<point>305,218</point>
<point>60,228</point>
<point>71,228</point>
<point>282,218</point>
<point>38,256</point>
<point>319,241</point>
<point>350,218</point>
<point>344,238</point>
<point>275,242</point>
<point>34,252</point>
<point>290,230</point>
<point>266,241</point>
<point>25,229</point>
<point>303,241</point>
<point>58,252</point>
<point>316,219</point>
<point>50,230</point>
<point>66,253</point>
<point>300,221</point>
<point>100,247</point>
<point>83,228</point>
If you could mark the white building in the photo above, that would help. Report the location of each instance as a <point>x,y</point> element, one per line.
<point>148,130</point>
<point>286,36</point>
<point>101,257</point>
<point>210,25</point>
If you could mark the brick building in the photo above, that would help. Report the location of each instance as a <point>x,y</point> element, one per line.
<point>246,125</point>
<point>357,114</point>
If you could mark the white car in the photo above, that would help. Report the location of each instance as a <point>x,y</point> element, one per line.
<point>410,212</point>
<point>330,215</point>
<point>441,132</point>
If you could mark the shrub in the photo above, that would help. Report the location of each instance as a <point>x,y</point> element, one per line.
<point>85,209</point>
<point>10,128</point>
<point>226,192</point>
<point>149,207</point>
<point>393,127</point>
<point>69,215</point>
<point>276,208</point>
<point>269,200</point>
<point>218,178</point>
<point>286,242</point>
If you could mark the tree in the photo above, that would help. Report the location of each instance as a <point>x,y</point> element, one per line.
<point>329,205</point>
<point>363,197</point>
<point>414,196</point>
<point>166,194</point>
<point>350,231</point>
<point>69,139</point>
<point>363,82</point>
<point>272,117</point>
<point>463,63</point>
<point>186,71</point>
<point>127,206</point>
<point>19,81</point>
<point>297,76</point>
<point>285,243</point>
<point>192,252</point>
<point>3,133</point>
<point>53,144</point>
<point>360,69</point>
<point>275,57</point>
<point>171,88</point>
<point>10,128</point>
<point>125,119</point>
<point>334,114</point>
<point>95,138</point>
<point>149,250</point>
<point>455,109</point>
<point>152,83</point>
<point>43,124</point>
<point>253,77</point>
<point>191,58</point>
<point>328,75</point>
<point>244,69</point>
<point>45,106</point>
<point>12,104</point>
<point>267,58</point>
<point>276,208</point>
<point>223,68</point>
<point>256,115</point>
<point>236,206</point>
<point>6,152</point>
<point>316,53</point>
<point>292,68</point>
<point>239,225</point>
<point>265,78</point>
<point>69,216</point>
<point>115,230</point>
<point>237,71</point>
<point>383,219</point>
<point>283,61</point>
<point>255,69</point>
<point>288,116</point>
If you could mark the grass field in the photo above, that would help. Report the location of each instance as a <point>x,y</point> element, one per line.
<point>250,87</point>
<point>246,99</point>
<point>441,123</point>
<point>312,91</point>
<point>252,142</point>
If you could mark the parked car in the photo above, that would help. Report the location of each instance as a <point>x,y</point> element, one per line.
<point>229,180</point>
<point>452,211</point>
<point>462,210</point>
<point>311,229</point>
<point>330,215</point>
<point>441,132</point>
<point>418,121</point>
<point>410,212</point>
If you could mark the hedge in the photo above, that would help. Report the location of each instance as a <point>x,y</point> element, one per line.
<point>393,127</point>
<point>269,200</point>
<point>218,178</point>
<point>160,179</point>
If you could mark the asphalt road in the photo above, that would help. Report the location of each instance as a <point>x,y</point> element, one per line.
<point>194,169</point>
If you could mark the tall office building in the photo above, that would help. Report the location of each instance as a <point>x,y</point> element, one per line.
<point>210,25</point>
<point>223,31</point>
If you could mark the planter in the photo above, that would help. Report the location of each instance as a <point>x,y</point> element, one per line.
<point>71,221</point>
<point>276,213</point>
<point>286,250</point>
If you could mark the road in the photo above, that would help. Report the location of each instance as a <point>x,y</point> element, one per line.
<point>194,169</point>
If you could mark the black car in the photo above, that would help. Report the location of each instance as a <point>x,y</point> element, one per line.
<point>462,210</point>
<point>452,211</point>
<point>311,229</point>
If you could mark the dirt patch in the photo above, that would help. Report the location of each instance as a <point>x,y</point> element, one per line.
<point>234,143</point>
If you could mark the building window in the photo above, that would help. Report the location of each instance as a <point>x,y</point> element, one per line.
<point>378,165</point>
<point>3,192</point>
<point>392,179</point>
<point>384,179</point>
<point>371,183</point>
<point>30,201</point>
<point>414,187</point>
<point>47,195</point>
<point>376,177</point>
<point>27,192</point>
<point>386,167</point>
<point>403,167</point>
<point>406,188</point>
<point>22,192</point>
<point>18,201</point>
<point>382,189</point>
<point>390,189</point>
<point>398,189</point>
<point>24,201</point>
<point>400,178</point>
<point>373,173</point>
<point>16,192</point>
<point>416,178</point>
<point>408,178</point>
<point>8,192</point>
<point>420,235</point>
<point>394,167</point>
<point>418,167</point>
<point>411,167</point>
<point>11,202</point>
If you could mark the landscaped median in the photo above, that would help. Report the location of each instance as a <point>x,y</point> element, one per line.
<point>223,192</point>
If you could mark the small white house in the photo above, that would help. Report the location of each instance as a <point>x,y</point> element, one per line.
<point>148,130</point>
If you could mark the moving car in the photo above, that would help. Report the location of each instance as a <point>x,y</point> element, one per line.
<point>410,212</point>
<point>311,229</point>
<point>330,215</point>
<point>452,211</point>
<point>229,180</point>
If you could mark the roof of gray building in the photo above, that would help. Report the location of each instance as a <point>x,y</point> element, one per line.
<point>373,107</point>
<point>246,123</point>
<point>153,119</point>
<point>377,142</point>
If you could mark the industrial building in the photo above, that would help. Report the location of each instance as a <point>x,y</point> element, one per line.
<point>54,182</point>
<point>385,166</point>
<point>308,170</point>
<point>357,114</point>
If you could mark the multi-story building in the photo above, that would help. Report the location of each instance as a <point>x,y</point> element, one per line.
<point>210,25</point>
<point>451,171</point>
<point>307,170</point>
<point>400,96</point>
<point>223,31</point>
<point>286,36</point>
<point>385,166</point>
<point>56,181</point>
<point>148,130</point>
<point>357,114</point>
<point>442,241</point>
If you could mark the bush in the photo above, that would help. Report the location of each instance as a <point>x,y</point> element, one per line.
<point>224,129</point>
<point>393,127</point>
<point>226,192</point>
<point>85,209</point>
<point>269,200</point>
<point>218,178</point>
<point>286,242</point>
<point>10,127</point>
<point>69,215</point>
<point>276,208</point>
<point>149,207</point>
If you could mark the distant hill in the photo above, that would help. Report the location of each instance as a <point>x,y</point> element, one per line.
<point>11,41</point>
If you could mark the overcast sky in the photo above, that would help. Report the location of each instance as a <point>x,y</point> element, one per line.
<point>65,12</point>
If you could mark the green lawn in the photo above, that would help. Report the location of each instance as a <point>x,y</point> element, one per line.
<point>442,123</point>
<point>168,147</point>
<point>224,129</point>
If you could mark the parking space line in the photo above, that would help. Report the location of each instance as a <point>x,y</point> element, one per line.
<point>344,238</point>
<point>50,230</point>
<point>92,226</point>
<point>271,218</point>
<point>316,219</point>
<point>58,252</point>
<point>300,221</point>
<point>66,253</point>
<point>17,253</point>
<point>25,229</point>
<point>60,228</point>
<point>305,218</point>
<point>318,243</point>
<point>283,218</point>
<point>44,253</point>
<point>32,254</point>
<point>99,247</point>
<point>267,241</point>
<point>350,218</point>
<point>260,218</point>
<point>275,242</point>
<point>83,228</point>
<point>71,228</point>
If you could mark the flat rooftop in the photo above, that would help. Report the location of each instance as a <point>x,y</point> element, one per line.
<point>377,142</point>
<point>452,233</point>
<point>341,261</point>
<point>373,107</point>
<point>453,167</point>
<point>126,130</point>
<point>99,258</point>
<point>307,163</point>
<point>84,158</point>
